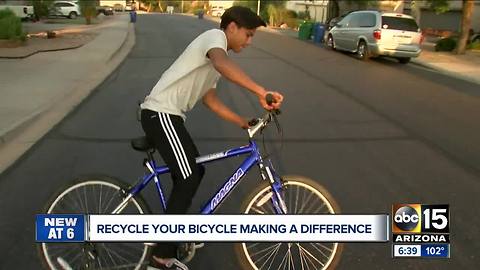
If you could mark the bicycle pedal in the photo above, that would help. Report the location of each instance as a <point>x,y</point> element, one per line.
<point>186,252</point>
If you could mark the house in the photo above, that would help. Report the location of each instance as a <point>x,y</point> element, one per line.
<point>221,4</point>
<point>449,21</point>
<point>318,9</point>
<point>119,3</point>
<point>323,10</point>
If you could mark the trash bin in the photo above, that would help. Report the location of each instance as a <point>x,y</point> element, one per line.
<point>319,32</point>
<point>200,14</point>
<point>314,29</point>
<point>305,30</point>
<point>133,16</point>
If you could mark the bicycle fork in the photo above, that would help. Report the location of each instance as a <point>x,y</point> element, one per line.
<point>268,174</point>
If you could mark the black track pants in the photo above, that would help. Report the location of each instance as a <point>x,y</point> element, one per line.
<point>167,132</point>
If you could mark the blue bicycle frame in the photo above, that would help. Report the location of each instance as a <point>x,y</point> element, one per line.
<point>255,157</point>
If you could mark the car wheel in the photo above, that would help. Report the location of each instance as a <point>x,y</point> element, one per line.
<point>72,15</point>
<point>362,51</point>
<point>403,60</point>
<point>330,42</point>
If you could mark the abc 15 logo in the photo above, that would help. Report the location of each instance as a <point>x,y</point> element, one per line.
<point>420,218</point>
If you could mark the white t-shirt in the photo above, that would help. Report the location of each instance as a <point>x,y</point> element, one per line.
<point>188,78</point>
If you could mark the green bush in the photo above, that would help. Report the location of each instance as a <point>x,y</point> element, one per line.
<point>445,45</point>
<point>474,45</point>
<point>11,26</point>
<point>303,15</point>
<point>6,13</point>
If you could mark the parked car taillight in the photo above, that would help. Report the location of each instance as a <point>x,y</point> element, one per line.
<point>377,34</point>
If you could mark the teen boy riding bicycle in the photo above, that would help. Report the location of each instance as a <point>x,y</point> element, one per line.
<point>192,76</point>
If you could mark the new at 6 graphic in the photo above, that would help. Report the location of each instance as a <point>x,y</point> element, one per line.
<point>420,218</point>
<point>60,228</point>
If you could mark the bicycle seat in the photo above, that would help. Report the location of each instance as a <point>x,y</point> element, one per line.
<point>141,144</point>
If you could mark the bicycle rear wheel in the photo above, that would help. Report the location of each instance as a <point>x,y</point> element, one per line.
<point>302,196</point>
<point>94,195</point>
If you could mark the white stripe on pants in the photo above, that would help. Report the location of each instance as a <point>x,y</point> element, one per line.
<point>175,144</point>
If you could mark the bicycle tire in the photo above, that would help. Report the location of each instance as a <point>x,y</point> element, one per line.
<point>94,255</point>
<point>269,259</point>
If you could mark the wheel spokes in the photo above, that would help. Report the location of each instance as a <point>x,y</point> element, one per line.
<point>93,197</point>
<point>300,198</point>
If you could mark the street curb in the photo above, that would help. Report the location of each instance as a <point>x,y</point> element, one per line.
<point>51,114</point>
<point>18,127</point>
<point>41,51</point>
<point>131,31</point>
<point>446,72</point>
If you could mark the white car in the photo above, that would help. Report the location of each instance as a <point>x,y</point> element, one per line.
<point>23,12</point>
<point>68,9</point>
<point>372,33</point>
<point>217,11</point>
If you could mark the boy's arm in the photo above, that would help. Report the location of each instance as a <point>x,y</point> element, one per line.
<point>234,73</point>
<point>211,100</point>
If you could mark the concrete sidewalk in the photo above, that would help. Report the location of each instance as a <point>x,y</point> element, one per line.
<point>465,67</point>
<point>39,90</point>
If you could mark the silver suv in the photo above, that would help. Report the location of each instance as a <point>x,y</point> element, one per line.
<point>374,33</point>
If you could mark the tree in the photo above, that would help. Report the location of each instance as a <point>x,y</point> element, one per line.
<point>333,9</point>
<point>270,10</point>
<point>442,6</point>
<point>150,4</point>
<point>41,7</point>
<point>468,6</point>
<point>88,10</point>
<point>363,4</point>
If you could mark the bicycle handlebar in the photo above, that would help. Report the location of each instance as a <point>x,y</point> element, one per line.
<point>258,124</point>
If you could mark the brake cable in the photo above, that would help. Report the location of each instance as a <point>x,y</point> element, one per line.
<point>279,131</point>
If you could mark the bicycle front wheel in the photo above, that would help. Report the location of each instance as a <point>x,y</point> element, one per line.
<point>94,195</point>
<point>301,196</point>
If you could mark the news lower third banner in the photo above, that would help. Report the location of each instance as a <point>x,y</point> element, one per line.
<point>212,228</point>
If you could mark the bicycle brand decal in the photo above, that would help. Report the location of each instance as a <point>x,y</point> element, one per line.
<point>226,188</point>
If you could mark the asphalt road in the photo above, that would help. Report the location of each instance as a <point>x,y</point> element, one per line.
<point>372,133</point>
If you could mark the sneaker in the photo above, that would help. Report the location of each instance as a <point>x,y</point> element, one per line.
<point>169,264</point>
<point>186,251</point>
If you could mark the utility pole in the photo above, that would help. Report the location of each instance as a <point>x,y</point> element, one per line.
<point>258,7</point>
<point>182,6</point>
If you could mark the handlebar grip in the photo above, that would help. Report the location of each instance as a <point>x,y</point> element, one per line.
<point>253,122</point>
<point>269,98</point>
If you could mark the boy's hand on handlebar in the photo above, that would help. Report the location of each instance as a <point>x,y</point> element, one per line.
<point>244,123</point>
<point>277,100</point>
